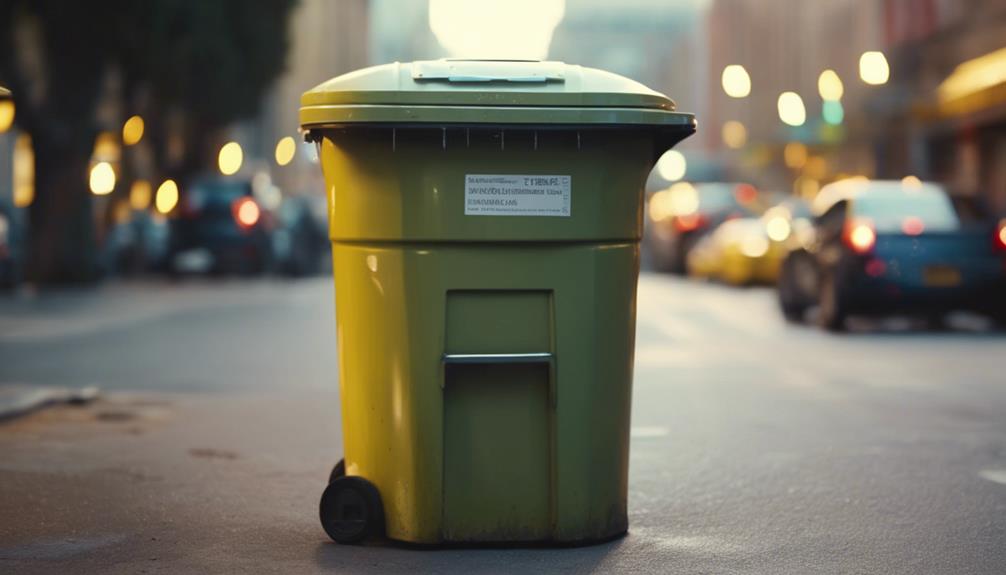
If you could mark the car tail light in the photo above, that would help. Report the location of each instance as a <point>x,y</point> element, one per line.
<point>690,222</point>
<point>860,236</point>
<point>246,212</point>
<point>912,226</point>
<point>1001,235</point>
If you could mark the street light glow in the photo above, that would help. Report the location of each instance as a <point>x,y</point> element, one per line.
<point>735,135</point>
<point>102,179</point>
<point>6,115</point>
<point>511,29</point>
<point>791,110</point>
<point>795,155</point>
<point>736,81</point>
<point>873,68</point>
<point>167,196</point>
<point>230,158</point>
<point>285,150</point>
<point>139,195</point>
<point>132,131</point>
<point>672,166</point>
<point>829,85</point>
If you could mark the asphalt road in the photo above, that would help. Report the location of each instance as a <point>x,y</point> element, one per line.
<point>758,447</point>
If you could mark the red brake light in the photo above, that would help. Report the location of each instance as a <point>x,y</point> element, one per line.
<point>912,226</point>
<point>1001,235</point>
<point>246,212</point>
<point>745,193</point>
<point>860,236</point>
<point>689,222</point>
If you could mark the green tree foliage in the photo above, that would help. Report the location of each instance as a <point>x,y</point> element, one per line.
<point>206,63</point>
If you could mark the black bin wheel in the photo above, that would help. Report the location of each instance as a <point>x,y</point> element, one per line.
<point>338,471</point>
<point>351,510</point>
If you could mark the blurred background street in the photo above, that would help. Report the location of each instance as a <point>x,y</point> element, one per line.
<point>819,386</point>
<point>757,446</point>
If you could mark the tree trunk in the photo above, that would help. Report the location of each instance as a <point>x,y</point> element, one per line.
<point>61,242</point>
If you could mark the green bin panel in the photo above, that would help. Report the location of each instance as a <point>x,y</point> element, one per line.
<point>496,453</point>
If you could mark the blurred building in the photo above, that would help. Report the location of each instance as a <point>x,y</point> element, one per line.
<point>327,39</point>
<point>898,127</point>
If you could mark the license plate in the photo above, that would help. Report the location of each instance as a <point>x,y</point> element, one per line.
<point>941,276</point>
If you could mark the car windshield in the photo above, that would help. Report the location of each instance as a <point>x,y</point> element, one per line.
<point>888,208</point>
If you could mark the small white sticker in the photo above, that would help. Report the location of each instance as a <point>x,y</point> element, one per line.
<point>517,195</point>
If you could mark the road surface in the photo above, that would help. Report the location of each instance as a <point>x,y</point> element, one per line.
<point>757,447</point>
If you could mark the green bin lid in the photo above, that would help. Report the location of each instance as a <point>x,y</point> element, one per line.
<point>487,92</point>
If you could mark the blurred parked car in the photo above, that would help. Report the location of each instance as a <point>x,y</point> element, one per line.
<point>891,247</point>
<point>300,241</point>
<point>744,251</point>
<point>680,215</point>
<point>219,226</point>
<point>8,262</point>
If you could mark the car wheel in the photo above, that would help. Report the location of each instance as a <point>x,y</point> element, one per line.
<point>832,307</point>
<point>351,510</point>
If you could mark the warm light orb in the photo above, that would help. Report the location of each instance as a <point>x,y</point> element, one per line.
<point>873,68</point>
<point>791,110</point>
<point>911,182</point>
<point>285,150</point>
<point>502,29</point>
<point>736,81</point>
<point>672,166</point>
<point>102,179</point>
<point>795,155</point>
<point>140,194</point>
<point>230,158</point>
<point>829,85</point>
<point>167,196</point>
<point>132,131</point>
<point>777,228</point>
<point>6,115</point>
<point>735,135</point>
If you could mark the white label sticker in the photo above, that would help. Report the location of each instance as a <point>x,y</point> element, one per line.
<point>517,195</point>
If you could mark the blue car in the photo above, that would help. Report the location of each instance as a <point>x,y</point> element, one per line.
<point>884,247</point>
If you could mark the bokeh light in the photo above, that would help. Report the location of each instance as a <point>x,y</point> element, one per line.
<point>735,135</point>
<point>833,112</point>
<point>24,171</point>
<point>132,131</point>
<point>795,155</point>
<point>672,166</point>
<point>140,194</point>
<point>6,115</point>
<point>285,150</point>
<point>504,29</point>
<point>736,81</point>
<point>167,196</point>
<point>230,158</point>
<point>791,109</point>
<point>873,68</point>
<point>829,85</point>
<point>102,180</point>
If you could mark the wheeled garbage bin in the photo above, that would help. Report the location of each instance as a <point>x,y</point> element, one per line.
<point>485,219</point>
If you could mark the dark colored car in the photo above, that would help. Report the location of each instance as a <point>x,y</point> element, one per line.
<point>8,261</point>
<point>219,227</point>
<point>886,247</point>
<point>680,215</point>
<point>300,240</point>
